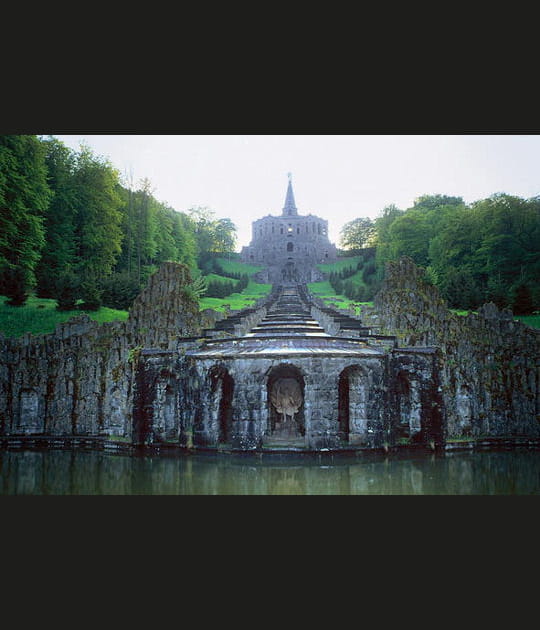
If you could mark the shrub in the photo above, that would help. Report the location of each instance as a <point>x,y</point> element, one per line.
<point>119,291</point>
<point>91,295</point>
<point>14,284</point>
<point>522,303</point>
<point>65,291</point>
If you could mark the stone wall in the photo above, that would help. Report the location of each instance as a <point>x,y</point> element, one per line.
<point>79,380</point>
<point>143,381</point>
<point>490,362</point>
<point>225,401</point>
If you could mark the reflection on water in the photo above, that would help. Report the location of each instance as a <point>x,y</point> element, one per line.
<point>95,472</point>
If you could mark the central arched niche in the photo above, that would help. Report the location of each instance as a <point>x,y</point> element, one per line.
<point>221,395</point>
<point>285,396</point>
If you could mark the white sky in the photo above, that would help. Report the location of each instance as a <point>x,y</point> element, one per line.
<point>336,177</point>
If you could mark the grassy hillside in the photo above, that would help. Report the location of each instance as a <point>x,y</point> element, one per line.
<point>40,316</point>
<point>357,279</point>
<point>531,320</point>
<point>238,300</point>
<point>235,266</point>
<point>214,277</point>
<point>342,263</point>
<point>352,277</point>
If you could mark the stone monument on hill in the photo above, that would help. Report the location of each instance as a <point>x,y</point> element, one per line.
<point>289,245</point>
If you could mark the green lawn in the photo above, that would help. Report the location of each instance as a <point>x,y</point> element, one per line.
<point>236,301</point>
<point>40,316</point>
<point>325,291</point>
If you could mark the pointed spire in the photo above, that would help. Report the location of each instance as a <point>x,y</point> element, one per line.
<point>289,209</point>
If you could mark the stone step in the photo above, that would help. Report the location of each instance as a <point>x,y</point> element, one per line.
<point>286,331</point>
<point>301,321</point>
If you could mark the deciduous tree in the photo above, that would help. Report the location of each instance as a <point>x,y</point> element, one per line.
<point>24,199</point>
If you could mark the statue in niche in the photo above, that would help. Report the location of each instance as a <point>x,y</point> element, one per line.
<point>286,396</point>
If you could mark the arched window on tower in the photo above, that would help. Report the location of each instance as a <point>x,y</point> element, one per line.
<point>318,228</point>
<point>290,247</point>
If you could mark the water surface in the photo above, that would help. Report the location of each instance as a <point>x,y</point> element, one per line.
<point>77,472</point>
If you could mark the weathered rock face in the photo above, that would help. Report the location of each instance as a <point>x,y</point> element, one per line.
<point>79,380</point>
<point>165,311</point>
<point>490,373</point>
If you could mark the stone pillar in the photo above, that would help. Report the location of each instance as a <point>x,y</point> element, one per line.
<point>322,427</point>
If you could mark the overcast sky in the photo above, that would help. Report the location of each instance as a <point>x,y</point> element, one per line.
<point>337,178</point>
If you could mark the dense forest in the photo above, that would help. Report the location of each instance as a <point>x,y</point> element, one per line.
<point>487,251</point>
<point>73,229</point>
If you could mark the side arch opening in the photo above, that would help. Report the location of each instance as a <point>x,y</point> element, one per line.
<point>355,400</point>
<point>221,396</point>
<point>403,404</point>
<point>344,414</point>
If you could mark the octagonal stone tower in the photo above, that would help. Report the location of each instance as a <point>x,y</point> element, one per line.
<point>290,245</point>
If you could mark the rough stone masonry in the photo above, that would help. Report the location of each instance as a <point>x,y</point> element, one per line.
<point>491,362</point>
<point>409,371</point>
<point>79,380</point>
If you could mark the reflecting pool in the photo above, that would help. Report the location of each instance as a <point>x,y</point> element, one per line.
<point>80,472</point>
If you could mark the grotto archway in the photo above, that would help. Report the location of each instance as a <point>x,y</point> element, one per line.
<point>403,406</point>
<point>344,418</point>
<point>221,396</point>
<point>354,401</point>
<point>155,407</point>
<point>285,396</point>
